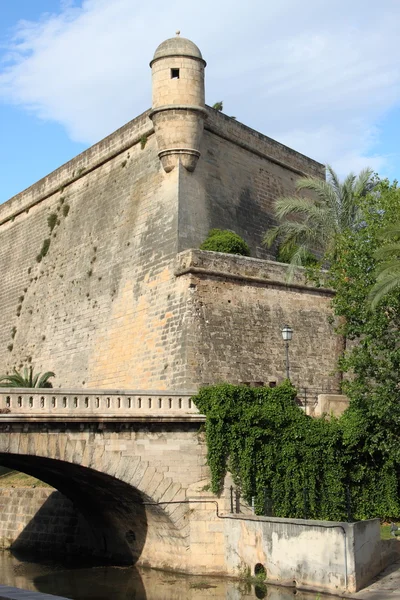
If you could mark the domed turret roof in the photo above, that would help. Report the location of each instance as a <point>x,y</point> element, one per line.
<point>177,46</point>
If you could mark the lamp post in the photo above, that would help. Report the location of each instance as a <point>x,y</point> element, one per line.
<point>287,333</point>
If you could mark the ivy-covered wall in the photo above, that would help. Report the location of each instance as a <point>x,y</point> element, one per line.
<point>300,466</point>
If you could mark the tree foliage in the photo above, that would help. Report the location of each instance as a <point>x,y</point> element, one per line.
<point>26,379</point>
<point>373,362</point>
<point>387,271</point>
<point>309,225</point>
<point>223,240</point>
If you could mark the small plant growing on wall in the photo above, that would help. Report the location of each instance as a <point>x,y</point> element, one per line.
<point>219,106</point>
<point>44,250</point>
<point>52,221</point>
<point>143,141</point>
<point>223,240</point>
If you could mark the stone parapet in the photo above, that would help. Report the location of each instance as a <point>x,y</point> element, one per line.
<point>233,131</point>
<point>105,404</point>
<point>252,270</point>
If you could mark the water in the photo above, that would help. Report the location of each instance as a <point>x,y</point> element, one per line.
<point>84,582</point>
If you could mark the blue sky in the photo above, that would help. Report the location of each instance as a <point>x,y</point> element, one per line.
<point>322,77</point>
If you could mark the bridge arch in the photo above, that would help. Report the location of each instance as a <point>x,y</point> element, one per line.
<point>135,511</point>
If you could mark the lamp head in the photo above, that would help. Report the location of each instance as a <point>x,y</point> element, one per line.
<point>287,333</point>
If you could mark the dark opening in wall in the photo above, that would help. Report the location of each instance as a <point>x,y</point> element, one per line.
<point>260,572</point>
<point>174,73</point>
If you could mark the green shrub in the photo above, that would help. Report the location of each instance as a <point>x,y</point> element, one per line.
<point>223,240</point>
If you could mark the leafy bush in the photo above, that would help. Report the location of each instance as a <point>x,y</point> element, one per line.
<point>271,446</point>
<point>223,240</point>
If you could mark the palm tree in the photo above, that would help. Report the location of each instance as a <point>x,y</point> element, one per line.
<point>308,225</point>
<point>27,379</point>
<point>388,269</point>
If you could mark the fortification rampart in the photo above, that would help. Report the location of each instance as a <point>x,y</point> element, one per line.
<point>236,308</point>
<point>118,142</point>
<point>257,143</point>
<point>88,254</point>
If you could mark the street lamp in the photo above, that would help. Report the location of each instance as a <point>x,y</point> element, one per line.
<point>287,333</point>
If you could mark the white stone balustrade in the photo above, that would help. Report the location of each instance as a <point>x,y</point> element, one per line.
<point>49,402</point>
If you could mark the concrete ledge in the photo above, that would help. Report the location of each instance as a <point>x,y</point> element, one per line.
<point>331,405</point>
<point>326,556</point>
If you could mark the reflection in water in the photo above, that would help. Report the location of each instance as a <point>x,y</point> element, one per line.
<point>84,582</point>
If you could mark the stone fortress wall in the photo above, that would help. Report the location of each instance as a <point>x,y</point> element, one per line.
<point>110,306</point>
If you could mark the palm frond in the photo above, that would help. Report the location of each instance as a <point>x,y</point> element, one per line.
<point>321,188</point>
<point>306,211</point>
<point>271,236</point>
<point>333,180</point>
<point>11,381</point>
<point>313,222</point>
<point>292,204</point>
<point>382,287</point>
<point>389,251</point>
<point>44,379</point>
<point>391,231</point>
<point>295,235</point>
<point>364,183</point>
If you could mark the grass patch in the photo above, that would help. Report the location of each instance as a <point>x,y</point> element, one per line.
<point>385,531</point>
<point>17,479</point>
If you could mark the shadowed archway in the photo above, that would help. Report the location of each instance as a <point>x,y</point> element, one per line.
<point>121,519</point>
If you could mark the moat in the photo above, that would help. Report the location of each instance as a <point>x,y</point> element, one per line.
<point>78,581</point>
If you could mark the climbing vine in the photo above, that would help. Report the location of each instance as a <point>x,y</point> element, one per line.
<point>274,450</point>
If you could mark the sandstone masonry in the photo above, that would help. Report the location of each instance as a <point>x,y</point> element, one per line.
<point>90,256</point>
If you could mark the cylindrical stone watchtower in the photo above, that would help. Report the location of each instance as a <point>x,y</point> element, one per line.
<point>178,110</point>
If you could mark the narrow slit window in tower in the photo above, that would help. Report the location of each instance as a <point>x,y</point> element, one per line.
<point>174,73</point>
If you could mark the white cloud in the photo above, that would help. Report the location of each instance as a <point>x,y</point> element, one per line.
<point>318,76</point>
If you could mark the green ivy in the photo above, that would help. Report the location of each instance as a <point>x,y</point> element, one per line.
<point>272,448</point>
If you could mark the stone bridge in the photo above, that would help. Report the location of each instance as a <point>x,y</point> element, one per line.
<point>133,463</point>
<point>134,466</point>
